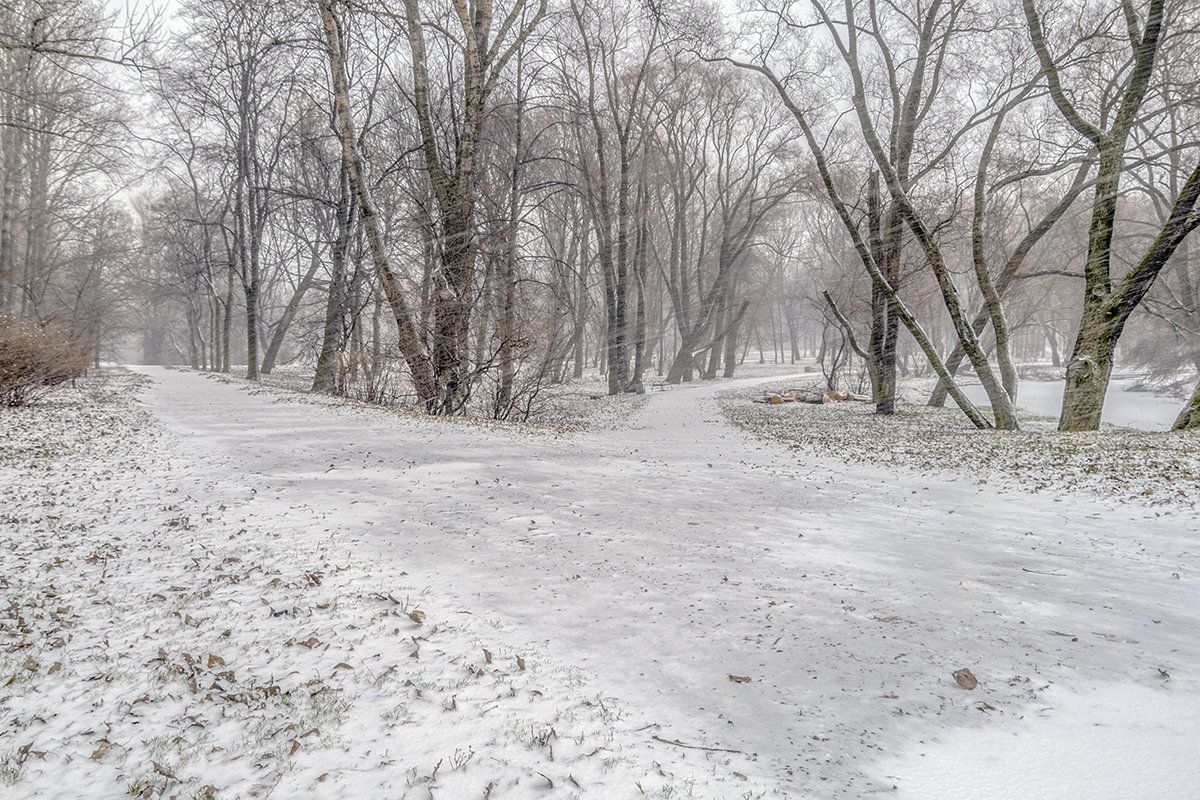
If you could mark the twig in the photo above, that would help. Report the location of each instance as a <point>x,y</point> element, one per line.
<point>1040,572</point>
<point>678,743</point>
<point>846,326</point>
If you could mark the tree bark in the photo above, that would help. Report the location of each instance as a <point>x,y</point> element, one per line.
<point>731,334</point>
<point>887,248</point>
<point>333,339</point>
<point>1189,416</point>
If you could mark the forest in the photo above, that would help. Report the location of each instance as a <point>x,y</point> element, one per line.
<point>453,206</point>
<point>394,399</point>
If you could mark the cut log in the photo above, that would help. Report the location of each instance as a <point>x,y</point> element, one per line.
<point>810,396</point>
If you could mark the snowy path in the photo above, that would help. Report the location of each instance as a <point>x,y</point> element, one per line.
<point>668,555</point>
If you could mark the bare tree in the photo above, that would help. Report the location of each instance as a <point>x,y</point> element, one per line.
<point>63,155</point>
<point>936,26</point>
<point>410,344</point>
<point>1108,303</point>
<point>746,158</point>
<point>485,44</point>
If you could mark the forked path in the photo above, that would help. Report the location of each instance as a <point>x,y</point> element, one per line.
<point>738,594</point>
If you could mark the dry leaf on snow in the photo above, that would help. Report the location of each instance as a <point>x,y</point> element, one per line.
<point>965,678</point>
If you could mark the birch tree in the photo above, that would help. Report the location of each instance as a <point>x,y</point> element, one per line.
<point>486,40</point>
<point>409,340</point>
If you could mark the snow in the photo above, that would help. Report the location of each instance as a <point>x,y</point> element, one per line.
<point>1108,741</point>
<point>636,566</point>
<point>1124,405</point>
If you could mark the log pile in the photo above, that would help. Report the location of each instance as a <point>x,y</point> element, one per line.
<point>807,396</point>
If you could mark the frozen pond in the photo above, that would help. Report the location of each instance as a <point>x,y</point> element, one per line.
<point>1129,409</point>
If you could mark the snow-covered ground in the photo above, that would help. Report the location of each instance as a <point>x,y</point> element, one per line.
<point>698,612</point>
<point>1123,404</point>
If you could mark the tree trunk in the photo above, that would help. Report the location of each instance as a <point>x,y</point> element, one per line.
<point>714,348</point>
<point>508,311</point>
<point>581,303</point>
<point>1106,310</point>
<point>452,309</point>
<point>731,339</point>
<point>1189,417</point>
<point>640,270</point>
<point>409,342</point>
<point>227,321</point>
<point>289,313</point>
<point>333,338</point>
<point>1052,339</point>
<point>886,244</point>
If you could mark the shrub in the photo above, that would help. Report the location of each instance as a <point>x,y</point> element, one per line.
<point>34,359</point>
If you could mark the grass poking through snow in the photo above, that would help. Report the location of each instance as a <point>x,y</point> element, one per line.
<point>160,641</point>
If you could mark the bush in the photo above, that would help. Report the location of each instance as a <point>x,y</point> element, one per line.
<point>34,359</point>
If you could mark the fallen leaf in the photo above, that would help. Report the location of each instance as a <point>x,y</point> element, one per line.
<point>739,678</point>
<point>417,616</point>
<point>103,750</point>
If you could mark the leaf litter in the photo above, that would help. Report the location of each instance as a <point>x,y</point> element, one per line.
<point>158,641</point>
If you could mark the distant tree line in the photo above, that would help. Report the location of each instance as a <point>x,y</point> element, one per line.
<point>460,204</point>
